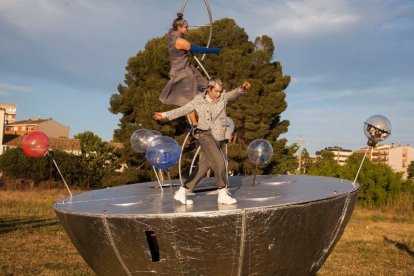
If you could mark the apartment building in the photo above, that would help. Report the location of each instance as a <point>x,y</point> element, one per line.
<point>12,132</point>
<point>340,154</point>
<point>2,116</point>
<point>397,157</point>
<point>9,112</point>
<point>49,126</point>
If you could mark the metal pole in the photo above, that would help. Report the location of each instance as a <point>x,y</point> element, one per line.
<point>210,17</point>
<point>353,184</point>
<point>171,189</point>
<point>183,6</point>
<point>156,174</point>
<point>194,158</point>
<point>254,177</point>
<point>181,156</point>
<point>67,187</point>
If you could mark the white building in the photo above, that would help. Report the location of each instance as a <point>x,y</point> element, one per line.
<point>2,116</point>
<point>397,157</point>
<point>340,154</point>
<point>10,112</point>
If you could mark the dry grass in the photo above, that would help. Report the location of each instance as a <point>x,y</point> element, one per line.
<point>375,242</point>
<point>32,240</point>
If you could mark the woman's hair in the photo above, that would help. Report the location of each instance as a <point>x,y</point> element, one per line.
<point>178,22</point>
<point>213,81</point>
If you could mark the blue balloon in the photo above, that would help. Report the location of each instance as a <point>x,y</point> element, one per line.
<point>260,151</point>
<point>163,152</point>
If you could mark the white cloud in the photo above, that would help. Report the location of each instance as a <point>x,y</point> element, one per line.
<point>311,17</point>
<point>38,18</point>
<point>78,42</point>
<point>34,16</point>
<point>9,89</point>
<point>305,17</point>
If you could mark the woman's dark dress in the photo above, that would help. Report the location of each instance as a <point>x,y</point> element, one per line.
<point>185,79</point>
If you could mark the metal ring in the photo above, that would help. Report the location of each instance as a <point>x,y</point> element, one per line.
<point>210,17</point>
<point>208,76</point>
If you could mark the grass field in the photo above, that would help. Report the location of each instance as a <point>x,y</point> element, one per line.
<point>32,242</point>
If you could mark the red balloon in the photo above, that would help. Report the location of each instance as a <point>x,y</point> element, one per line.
<point>35,144</point>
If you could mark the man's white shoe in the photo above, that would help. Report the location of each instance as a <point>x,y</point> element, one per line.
<point>225,198</point>
<point>181,196</point>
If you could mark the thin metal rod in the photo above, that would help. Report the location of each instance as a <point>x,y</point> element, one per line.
<point>224,156</point>
<point>360,166</point>
<point>210,17</point>
<point>254,176</point>
<point>202,67</point>
<point>183,6</point>
<point>227,166</point>
<point>156,175</point>
<point>171,189</point>
<point>192,162</point>
<point>57,167</point>
<point>181,156</point>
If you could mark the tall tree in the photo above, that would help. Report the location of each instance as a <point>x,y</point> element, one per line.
<point>325,165</point>
<point>98,159</point>
<point>256,114</point>
<point>306,161</point>
<point>378,182</point>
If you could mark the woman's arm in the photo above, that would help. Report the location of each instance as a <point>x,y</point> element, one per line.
<point>182,44</point>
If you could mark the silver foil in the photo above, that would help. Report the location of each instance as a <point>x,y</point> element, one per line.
<point>286,225</point>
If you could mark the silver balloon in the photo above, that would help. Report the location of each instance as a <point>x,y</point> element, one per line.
<point>260,151</point>
<point>150,135</point>
<point>230,128</point>
<point>140,139</point>
<point>377,128</point>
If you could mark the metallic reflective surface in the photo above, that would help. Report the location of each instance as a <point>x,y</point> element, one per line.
<point>140,139</point>
<point>377,128</point>
<point>287,225</point>
<point>259,151</point>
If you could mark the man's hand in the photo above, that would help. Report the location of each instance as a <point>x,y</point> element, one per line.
<point>157,116</point>
<point>245,86</point>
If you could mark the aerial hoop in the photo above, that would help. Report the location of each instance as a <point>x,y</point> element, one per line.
<point>210,17</point>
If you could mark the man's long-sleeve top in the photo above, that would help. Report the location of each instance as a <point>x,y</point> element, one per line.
<point>211,114</point>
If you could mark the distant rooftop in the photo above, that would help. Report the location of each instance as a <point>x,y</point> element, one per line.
<point>64,144</point>
<point>34,120</point>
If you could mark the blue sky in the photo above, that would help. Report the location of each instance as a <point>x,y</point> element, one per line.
<point>348,59</point>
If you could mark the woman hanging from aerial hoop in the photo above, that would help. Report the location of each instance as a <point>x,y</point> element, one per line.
<point>185,80</point>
